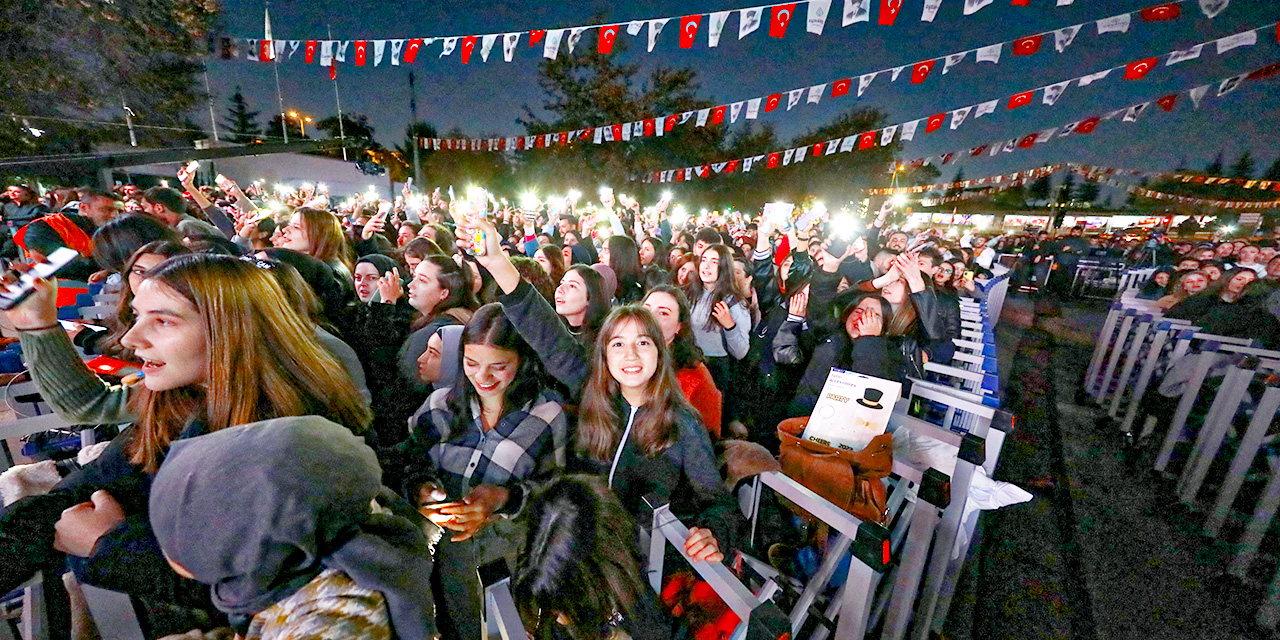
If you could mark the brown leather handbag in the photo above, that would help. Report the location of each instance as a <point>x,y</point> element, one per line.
<point>851,480</point>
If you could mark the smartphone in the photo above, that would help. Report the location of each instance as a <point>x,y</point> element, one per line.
<point>968,276</point>
<point>13,294</point>
<point>193,166</point>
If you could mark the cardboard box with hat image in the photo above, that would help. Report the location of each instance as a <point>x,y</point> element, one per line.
<point>851,410</point>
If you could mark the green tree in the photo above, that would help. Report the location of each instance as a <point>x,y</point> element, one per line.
<point>1243,168</point>
<point>1215,167</point>
<point>274,130</point>
<point>1273,172</point>
<point>1088,191</point>
<point>355,129</point>
<point>1067,189</point>
<point>413,133</point>
<point>241,123</point>
<point>955,191</point>
<point>1040,188</point>
<point>97,57</point>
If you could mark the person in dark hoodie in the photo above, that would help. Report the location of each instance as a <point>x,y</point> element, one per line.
<point>288,523</point>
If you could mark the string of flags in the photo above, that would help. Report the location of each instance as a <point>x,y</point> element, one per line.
<point>885,136</point>
<point>397,51</point>
<point>752,108</point>
<point>1102,175</point>
<point>967,184</point>
<point>1193,178</point>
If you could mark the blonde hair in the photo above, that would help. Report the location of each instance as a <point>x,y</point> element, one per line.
<point>328,241</point>
<point>264,360</point>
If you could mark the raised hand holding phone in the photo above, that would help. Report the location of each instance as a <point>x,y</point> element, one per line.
<point>375,225</point>
<point>389,286</point>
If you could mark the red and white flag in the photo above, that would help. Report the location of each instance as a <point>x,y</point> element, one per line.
<point>1139,69</point>
<point>536,36</point>
<point>867,140</point>
<point>309,54</point>
<point>608,35</point>
<point>717,114</point>
<point>1088,125</point>
<point>771,102</point>
<point>1166,103</point>
<point>265,51</point>
<point>1028,45</point>
<point>841,87</point>
<point>1021,99</point>
<point>921,70</point>
<point>468,46</point>
<point>889,11</point>
<point>411,50</point>
<point>781,18</point>
<point>935,122</point>
<point>689,30</point>
<point>1160,12</point>
<point>362,52</point>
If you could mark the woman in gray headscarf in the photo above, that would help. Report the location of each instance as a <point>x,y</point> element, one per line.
<point>288,522</point>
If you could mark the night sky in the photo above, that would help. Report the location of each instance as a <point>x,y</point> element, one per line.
<point>484,99</point>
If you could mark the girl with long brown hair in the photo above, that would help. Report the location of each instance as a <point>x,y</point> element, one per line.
<point>319,234</point>
<point>220,347</point>
<point>635,427</point>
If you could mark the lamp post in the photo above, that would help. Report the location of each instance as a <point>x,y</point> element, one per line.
<point>302,121</point>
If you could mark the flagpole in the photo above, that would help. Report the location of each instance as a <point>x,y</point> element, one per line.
<point>213,121</point>
<point>275,66</point>
<point>337,100</point>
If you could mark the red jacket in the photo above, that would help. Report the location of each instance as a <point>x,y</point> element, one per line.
<point>700,389</point>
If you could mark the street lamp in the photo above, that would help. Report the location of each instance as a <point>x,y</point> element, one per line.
<point>302,121</point>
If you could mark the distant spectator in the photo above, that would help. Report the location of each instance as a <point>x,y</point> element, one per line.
<point>170,207</point>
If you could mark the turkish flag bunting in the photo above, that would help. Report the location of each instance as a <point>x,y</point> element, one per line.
<point>840,87</point>
<point>817,150</point>
<point>1139,69</point>
<point>704,171</point>
<point>1021,99</point>
<point>1166,11</point>
<point>1087,126</point>
<point>689,30</point>
<point>1168,101</point>
<point>781,18</point>
<point>977,151</point>
<point>617,133</point>
<point>935,122</point>
<point>536,35</point>
<point>731,167</point>
<point>333,72</point>
<point>520,143</point>
<point>563,137</point>
<point>1021,3</point>
<point>311,51</point>
<point>1028,45</point>
<point>889,11</point>
<point>539,142</point>
<point>362,52</point>
<point>717,115</point>
<point>772,101</point>
<point>650,127</point>
<point>1028,141</point>
<point>921,71</point>
<point>867,140</point>
<point>1265,72</point>
<point>587,133</point>
<point>468,45</point>
<point>411,50</point>
<point>264,51</point>
<point>679,175</point>
<point>772,163</point>
<point>670,123</point>
<point>608,35</point>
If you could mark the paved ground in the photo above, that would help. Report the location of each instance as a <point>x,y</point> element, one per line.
<point>1101,551</point>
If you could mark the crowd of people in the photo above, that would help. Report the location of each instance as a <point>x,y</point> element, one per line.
<point>346,408</point>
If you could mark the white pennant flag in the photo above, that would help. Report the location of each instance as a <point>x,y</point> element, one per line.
<point>278,47</point>
<point>598,137</point>
<point>718,166</point>
<point>844,146</point>
<point>896,73</point>
<point>626,132</point>
<point>793,97</point>
<point>909,130</point>
<point>449,45</point>
<point>608,134</point>
<point>864,81</point>
<point>1131,115</point>
<point>787,156</point>
<point>800,153</point>
<point>1212,8</point>
<point>930,10</point>
<point>1046,135</point>
<point>715,26</point>
<point>985,108</point>
<point>1242,39</point>
<point>973,6</point>
<point>952,60</point>
<point>1230,84</point>
<point>396,47</point>
<point>1062,38</point>
<point>1093,77</point>
<point>1115,24</point>
<point>1065,3</point>
<point>958,116</point>
<point>684,117</point>
<point>748,21</point>
<point>815,93</point>
<point>703,114</point>
<point>486,45</point>
<point>655,28</point>
<point>818,10</point>
<point>326,53</point>
<point>735,110</point>
<point>251,49</point>
<point>753,108</point>
<point>1011,145</point>
<point>379,48</point>
<point>886,135</point>
<point>856,11</point>
<point>1198,93</point>
<point>575,34</point>
<point>509,41</point>
<point>1054,91</point>
<point>1069,129</point>
<point>995,148</point>
<point>294,44</point>
<point>1184,55</point>
<point>551,45</point>
<point>634,27</point>
<point>341,53</point>
<point>990,54</point>
<point>1114,114</point>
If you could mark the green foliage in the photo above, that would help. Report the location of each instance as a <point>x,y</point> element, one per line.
<point>1243,168</point>
<point>241,123</point>
<point>1040,188</point>
<point>1088,192</point>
